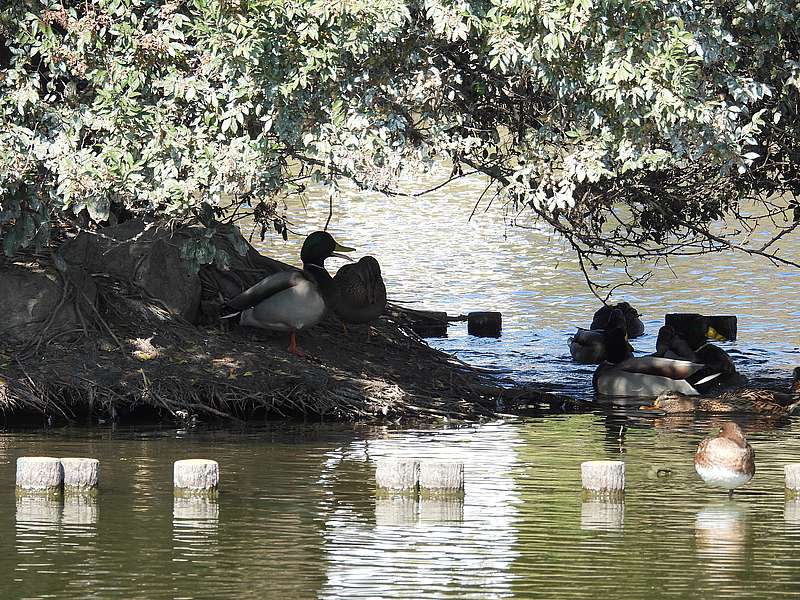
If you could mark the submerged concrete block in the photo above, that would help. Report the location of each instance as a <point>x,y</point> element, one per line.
<point>441,477</point>
<point>80,474</point>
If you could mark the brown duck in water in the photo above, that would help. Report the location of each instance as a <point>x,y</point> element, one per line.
<point>744,400</point>
<point>673,403</point>
<point>361,293</point>
<point>727,460</point>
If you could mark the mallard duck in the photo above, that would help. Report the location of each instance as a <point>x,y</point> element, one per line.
<point>588,346</point>
<point>361,293</point>
<point>672,345</point>
<point>648,375</point>
<point>675,403</point>
<point>633,324</point>
<point>292,300</point>
<point>727,460</point>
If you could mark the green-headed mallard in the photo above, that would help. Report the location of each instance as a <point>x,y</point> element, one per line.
<point>648,375</point>
<point>589,346</point>
<point>292,300</point>
<point>360,291</point>
<point>727,460</point>
<point>633,324</point>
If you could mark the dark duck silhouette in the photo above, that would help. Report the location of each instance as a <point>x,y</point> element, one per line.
<point>360,291</point>
<point>590,346</point>
<point>633,324</point>
<point>623,375</point>
<point>695,348</point>
<point>295,299</point>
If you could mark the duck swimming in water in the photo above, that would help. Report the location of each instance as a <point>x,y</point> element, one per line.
<point>673,403</point>
<point>296,299</point>
<point>590,346</point>
<point>727,460</point>
<point>670,344</point>
<point>633,324</point>
<point>648,375</point>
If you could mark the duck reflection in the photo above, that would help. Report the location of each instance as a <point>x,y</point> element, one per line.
<point>602,515</point>
<point>721,532</point>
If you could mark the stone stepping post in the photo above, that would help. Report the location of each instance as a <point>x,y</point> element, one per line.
<point>39,475</point>
<point>196,476</point>
<point>603,477</point>
<point>397,475</point>
<point>485,324</point>
<point>81,475</point>
<point>441,478</point>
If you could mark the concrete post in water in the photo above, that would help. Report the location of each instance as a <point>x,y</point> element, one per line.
<point>429,323</point>
<point>196,476</point>
<point>693,324</point>
<point>792,477</point>
<point>485,324</point>
<point>604,477</point>
<point>80,474</point>
<point>397,475</point>
<point>441,478</point>
<point>39,475</point>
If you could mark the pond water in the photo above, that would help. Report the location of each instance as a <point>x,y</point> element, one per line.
<point>297,516</point>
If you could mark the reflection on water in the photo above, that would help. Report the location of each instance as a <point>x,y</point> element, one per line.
<point>602,515</point>
<point>299,516</point>
<point>80,509</point>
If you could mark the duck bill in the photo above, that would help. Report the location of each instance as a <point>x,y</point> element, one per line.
<point>650,407</point>
<point>713,334</point>
<point>339,249</point>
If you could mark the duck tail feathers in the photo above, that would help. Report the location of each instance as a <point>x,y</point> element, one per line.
<point>702,384</point>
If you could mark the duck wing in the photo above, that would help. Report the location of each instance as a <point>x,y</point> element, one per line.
<point>267,287</point>
<point>663,367</point>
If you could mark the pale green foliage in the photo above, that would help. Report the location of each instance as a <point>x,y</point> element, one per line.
<point>160,106</point>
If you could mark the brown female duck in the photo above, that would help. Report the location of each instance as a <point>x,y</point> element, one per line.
<point>361,293</point>
<point>674,403</point>
<point>727,460</point>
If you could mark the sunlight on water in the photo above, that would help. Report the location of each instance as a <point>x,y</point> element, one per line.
<point>434,257</point>
<point>298,517</point>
